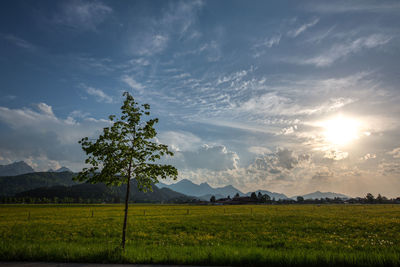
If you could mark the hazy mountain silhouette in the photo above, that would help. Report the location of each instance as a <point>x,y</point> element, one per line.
<point>318,194</point>
<point>15,168</point>
<point>62,169</point>
<point>10,185</point>
<point>272,195</point>
<point>202,190</point>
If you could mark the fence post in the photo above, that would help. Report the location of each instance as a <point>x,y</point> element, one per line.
<point>187,212</point>
<point>251,210</point>
<point>92,213</point>
<point>144,212</point>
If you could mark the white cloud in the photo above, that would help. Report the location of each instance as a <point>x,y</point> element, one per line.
<point>82,15</point>
<point>214,158</point>
<point>99,94</point>
<point>181,16</point>
<point>268,42</point>
<point>259,150</point>
<point>344,49</point>
<point>133,83</point>
<point>46,109</point>
<point>18,41</point>
<point>302,28</point>
<point>151,44</point>
<point>179,140</point>
<point>354,6</point>
<point>140,61</point>
<point>274,104</point>
<point>368,156</point>
<point>336,154</point>
<point>38,134</point>
<point>395,153</point>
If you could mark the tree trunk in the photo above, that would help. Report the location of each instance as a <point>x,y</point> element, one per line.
<point>126,211</point>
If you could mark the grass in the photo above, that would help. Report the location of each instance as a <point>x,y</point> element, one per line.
<point>293,235</point>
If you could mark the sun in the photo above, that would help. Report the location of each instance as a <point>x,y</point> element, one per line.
<point>340,130</point>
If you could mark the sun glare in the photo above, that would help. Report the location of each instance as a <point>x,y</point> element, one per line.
<point>340,130</point>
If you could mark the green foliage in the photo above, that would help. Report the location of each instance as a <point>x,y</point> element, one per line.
<point>97,193</point>
<point>127,150</point>
<point>279,235</point>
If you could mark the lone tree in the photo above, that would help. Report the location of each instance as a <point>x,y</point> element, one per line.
<point>126,150</point>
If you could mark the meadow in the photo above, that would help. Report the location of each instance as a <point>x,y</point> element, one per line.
<point>248,235</point>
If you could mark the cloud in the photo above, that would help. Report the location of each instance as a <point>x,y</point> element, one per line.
<point>344,49</point>
<point>275,163</point>
<point>274,104</point>
<point>302,28</point>
<point>354,7</point>
<point>46,109</point>
<point>395,153</point>
<point>211,157</point>
<point>99,95</point>
<point>181,16</point>
<point>368,156</point>
<point>37,134</point>
<point>82,15</point>
<point>260,47</point>
<point>133,83</point>
<point>18,41</point>
<point>179,140</point>
<point>174,23</point>
<point>152,44</point>
<point>259,150</point>
<point>9,97</point>
<point>336,154</point>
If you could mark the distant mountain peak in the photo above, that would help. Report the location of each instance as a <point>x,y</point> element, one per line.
<point>318,194</point>
<point>202,190</point>
<point>63,169</point>
<point>16,168</point>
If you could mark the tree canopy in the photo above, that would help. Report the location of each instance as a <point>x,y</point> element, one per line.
<point>127,149</point>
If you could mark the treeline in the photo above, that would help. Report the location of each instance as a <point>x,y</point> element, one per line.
<point>70,200</point>
<point>266,199</point>
<point>55,200</point>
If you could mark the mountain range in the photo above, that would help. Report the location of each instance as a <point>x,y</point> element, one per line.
<point>15,168</point>
<point>62,169</point>
<point>59,184</point>
<point>20,179</point>
<point>10,185</point>
<point>319,195</point>
<point>204,191</point>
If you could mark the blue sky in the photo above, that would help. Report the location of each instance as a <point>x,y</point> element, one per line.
<point>287,96</point>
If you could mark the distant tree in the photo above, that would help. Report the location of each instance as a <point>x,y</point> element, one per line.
<point>212,199</point>
<point>300,199</point>
<point>229,197</point>
<point>370,198</point>
<point>236,195</point>
<point>126,151</point>
<point>379,198</point>
<point>259,195</point>
<point>264,198</point>
<point>253,196</point>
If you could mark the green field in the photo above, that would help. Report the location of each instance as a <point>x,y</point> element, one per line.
<point>293,235</point>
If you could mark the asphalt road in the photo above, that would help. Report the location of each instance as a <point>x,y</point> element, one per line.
<point>56,264</point>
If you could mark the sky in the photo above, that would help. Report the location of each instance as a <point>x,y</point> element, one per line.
<point>285,96</point>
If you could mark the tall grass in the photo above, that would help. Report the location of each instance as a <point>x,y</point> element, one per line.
<point>295,235</point>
